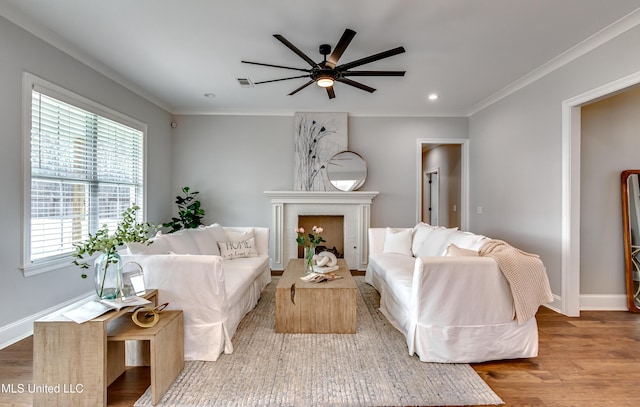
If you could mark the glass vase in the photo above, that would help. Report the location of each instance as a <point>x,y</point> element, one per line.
<point>108,274</point>
<point>309,252</point>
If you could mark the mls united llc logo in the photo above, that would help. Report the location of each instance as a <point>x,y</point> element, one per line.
<point>20,388</point>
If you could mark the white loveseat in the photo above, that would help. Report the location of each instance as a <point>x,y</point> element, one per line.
<point>214,274</point>
<point>451,304</point>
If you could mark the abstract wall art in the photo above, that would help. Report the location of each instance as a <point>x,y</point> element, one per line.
<point>318,137</point>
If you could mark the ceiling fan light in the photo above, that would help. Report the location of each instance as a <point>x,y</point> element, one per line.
<point>325,82</point>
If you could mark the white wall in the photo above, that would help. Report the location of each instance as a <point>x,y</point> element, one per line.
<point>232,160</point>
<point>25,296</point>
<point>610,144</point>
<point>516,153</point>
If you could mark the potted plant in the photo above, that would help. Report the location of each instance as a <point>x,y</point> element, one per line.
<point>108,265</point>
<point>189,211</point>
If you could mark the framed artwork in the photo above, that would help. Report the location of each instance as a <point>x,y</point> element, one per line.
<point>318,137</point>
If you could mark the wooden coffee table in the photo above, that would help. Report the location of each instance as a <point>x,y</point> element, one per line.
<point>326,307</point>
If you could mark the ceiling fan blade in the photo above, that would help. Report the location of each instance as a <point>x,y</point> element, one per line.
<point>276,66</point>
<point>373,73</point>
<point>342,45</point>
<point>356,84</point>
<point>294,49</point>
<point>281,79</point>
<point>301,87</point>
<point>371,58</point>
<point>330,92</point>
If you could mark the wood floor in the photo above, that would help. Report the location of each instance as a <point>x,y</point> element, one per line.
<point>593,360</point>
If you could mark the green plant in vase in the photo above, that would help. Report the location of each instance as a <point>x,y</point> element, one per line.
<point>309,242</point>
<point>108,265</point>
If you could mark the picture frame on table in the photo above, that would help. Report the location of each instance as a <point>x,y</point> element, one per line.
<point>133,283</point>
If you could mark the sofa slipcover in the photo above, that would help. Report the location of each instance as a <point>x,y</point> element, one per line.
<point>214,293</point>
<point>451,309</point>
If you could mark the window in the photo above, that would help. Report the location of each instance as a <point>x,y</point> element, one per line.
<point>85,167</point>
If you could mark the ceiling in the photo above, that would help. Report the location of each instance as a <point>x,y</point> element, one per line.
<point>173,52</point>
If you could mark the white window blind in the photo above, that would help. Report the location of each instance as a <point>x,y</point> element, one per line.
<point>86,169</point>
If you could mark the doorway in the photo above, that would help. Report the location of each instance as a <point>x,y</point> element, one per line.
<point>571,137</point>
<point>452,201</point>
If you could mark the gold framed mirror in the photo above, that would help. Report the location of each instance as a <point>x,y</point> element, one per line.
<point>631,235</point>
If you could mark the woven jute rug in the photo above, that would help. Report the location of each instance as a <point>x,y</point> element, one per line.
<point>369,368</point>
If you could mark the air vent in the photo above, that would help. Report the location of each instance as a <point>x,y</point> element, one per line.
<point>245,83</point>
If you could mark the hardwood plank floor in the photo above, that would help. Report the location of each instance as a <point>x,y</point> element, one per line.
<point>593,360</point>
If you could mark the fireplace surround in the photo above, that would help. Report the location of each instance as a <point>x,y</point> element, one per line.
<point>286,206</point>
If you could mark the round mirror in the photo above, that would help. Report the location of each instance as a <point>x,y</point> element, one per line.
<point>347,171</point>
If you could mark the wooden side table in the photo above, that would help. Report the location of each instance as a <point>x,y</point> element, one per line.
<point>166,340</point>
<point>326,307</point>
<point>73,364</point>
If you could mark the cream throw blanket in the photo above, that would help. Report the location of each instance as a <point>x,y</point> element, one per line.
<point>525,274</point>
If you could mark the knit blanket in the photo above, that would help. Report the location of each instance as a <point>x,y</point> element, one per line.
<point>526,275</point>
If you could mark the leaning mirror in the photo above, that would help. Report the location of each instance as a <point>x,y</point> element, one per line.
<point>631,236</point>
<point>347,171</point>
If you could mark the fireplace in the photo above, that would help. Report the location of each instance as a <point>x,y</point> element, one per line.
<point>353,207</point>
<point>333,232</point>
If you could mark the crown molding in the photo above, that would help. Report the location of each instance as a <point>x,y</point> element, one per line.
<point>59,43</point>
<point>617,28</point>
<point>291,112</point>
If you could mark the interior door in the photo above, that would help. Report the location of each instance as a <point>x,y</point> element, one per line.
<point>431,188</point>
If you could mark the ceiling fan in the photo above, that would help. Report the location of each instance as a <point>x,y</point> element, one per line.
<point>327,72</point>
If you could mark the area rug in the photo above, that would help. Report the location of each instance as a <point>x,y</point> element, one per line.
<point>369,368</point>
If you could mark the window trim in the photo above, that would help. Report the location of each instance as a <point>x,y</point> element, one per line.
<point>31,82</point>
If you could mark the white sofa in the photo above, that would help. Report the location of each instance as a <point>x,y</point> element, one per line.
<point>451,304</point>
<point>214,274</point>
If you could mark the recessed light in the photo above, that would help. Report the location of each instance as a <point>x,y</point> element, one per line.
<point>433,96</point>
<point>209,95</point>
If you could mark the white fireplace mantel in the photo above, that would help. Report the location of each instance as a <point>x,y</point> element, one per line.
<point>286,206</point>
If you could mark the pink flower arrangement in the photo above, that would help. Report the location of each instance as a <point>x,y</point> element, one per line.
<point>312,239</point>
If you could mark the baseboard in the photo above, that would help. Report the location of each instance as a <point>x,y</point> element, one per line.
<point>556,304</point>
<point>18,330</point>
<point>603,302</point>
<point>594,302</point>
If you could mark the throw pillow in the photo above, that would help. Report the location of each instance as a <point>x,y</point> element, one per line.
<point>239,236</point>
<point>481,242</point>
<point>465,240</point>
<point>182,242</point>
<point>453,250</point>
<point>435,243</point>
<point>205,241</point>
<point>398,242</point>
<point>235,250</point>
<point>159,246</point>
<point>421,233</point>
<point>217,233</point>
